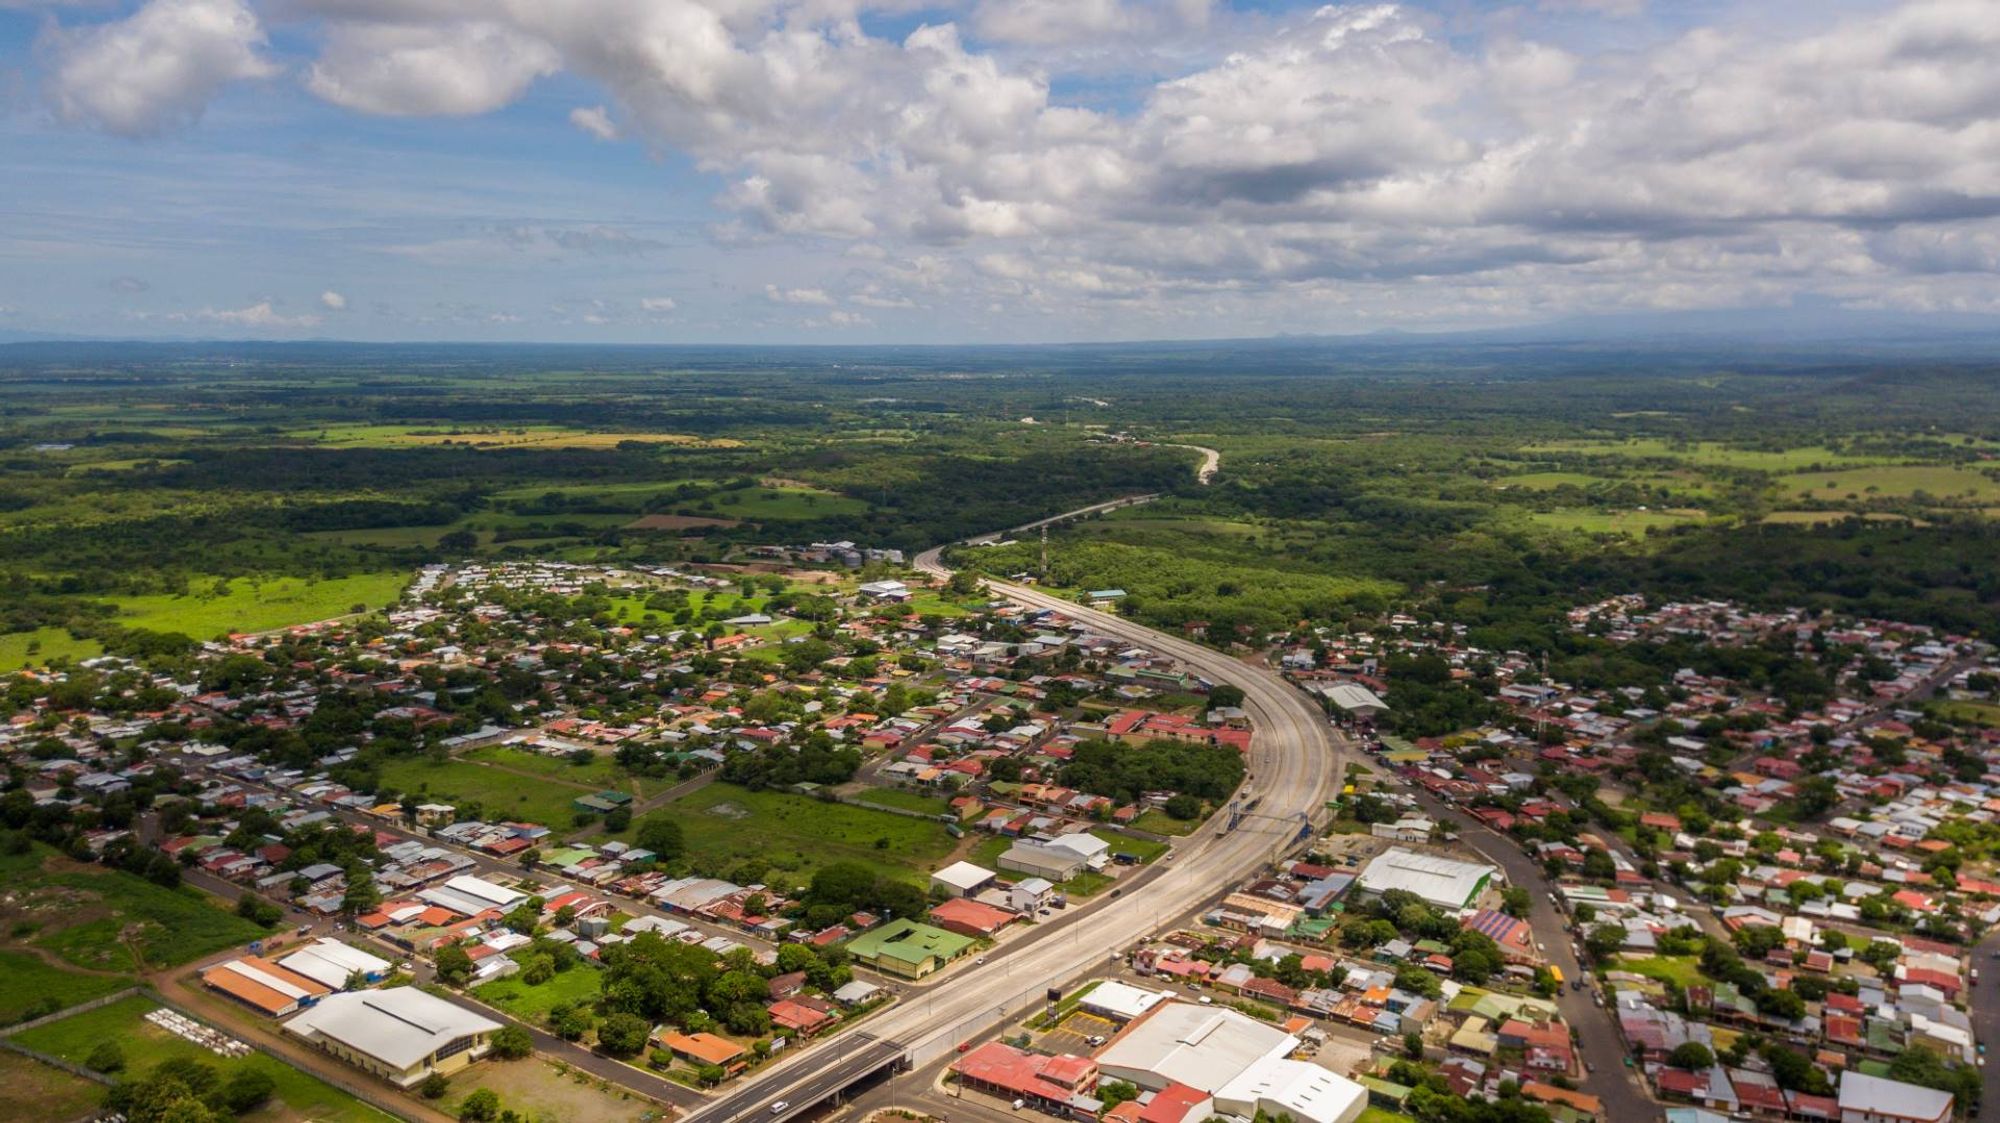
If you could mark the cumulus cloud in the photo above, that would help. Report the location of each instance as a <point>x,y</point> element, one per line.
<point>333,300</point>
<point>453,68</point>
<point>1316,162</point>
<point>156,69</point>
<point>595,121</point>
<point>777,295</point>
<point>658,305</point>
<point>258,316</point>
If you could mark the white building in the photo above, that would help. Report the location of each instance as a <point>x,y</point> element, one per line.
<point>1203,1047</point>
<point>962,879</point>
<point>1872,1099</point>
<point>1303,1091</point>
<point>1440,881</point>
<point>470,896</point>
<point>1119,1001</point>
<point>331,963</point>
<point>401,1035</point>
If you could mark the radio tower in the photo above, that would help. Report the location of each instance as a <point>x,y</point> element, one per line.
<point>1045,551</point>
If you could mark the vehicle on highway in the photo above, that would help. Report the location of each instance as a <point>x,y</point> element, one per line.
<point>980,962</point>
<point>779,1107</point>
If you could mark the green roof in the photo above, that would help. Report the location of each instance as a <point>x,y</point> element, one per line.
<point>908,941</point>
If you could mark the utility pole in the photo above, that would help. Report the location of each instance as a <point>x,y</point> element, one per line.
<point>1045,553</point>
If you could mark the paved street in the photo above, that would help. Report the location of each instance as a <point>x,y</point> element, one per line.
<point>1597,1031</point>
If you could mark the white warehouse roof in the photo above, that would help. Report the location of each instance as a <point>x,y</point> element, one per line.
<point>964,876</point>
<point>329,962</point>
<point>398,1027</point>
<point>1204,1047</point>
<point>1304,1091</point>
<point>1122,1001</point>
<point>1442,881</point>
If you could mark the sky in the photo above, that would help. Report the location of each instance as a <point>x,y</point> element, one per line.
<point>829,171</point>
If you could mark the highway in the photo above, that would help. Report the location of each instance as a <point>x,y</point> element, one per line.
<point>1295,764</point>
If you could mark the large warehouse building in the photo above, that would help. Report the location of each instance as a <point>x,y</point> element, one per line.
<point>1444,882</point>
<point>401,1035</point>
<point>1243,1063</point>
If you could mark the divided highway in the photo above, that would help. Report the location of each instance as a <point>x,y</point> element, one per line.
<point>1295,765</point>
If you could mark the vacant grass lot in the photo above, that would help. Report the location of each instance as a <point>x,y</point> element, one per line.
<point>102,919</point>
<point>1159,822</point>
<point>908,801</point>
<point>724,822</point>
<point>38,1093</point>
<point>602,771</point>
<point>246,604</point>
<point>500,794</point>
<point>533,1003</point>
<point>533,1089</point>
<point>298,1096</point>
<point>1682,970</point>
<point>756,504</point>
<point>31,980</point>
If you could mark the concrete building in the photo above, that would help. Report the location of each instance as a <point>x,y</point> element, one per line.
<point>961,879</point>
<point>1444,882</point>
<point>907,948</point>
<point>1872,1099</point>
<point>1300,1090</point>
<point>1121,1002</point>
<point>400,1035</point>
<point>1203,1047</point>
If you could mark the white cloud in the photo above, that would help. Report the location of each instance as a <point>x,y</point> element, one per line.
<point>261,316</point>
<point>454,68</point>
<point>595,121</point>
<point>658,305</point>
<point>156,69</point>
<point>839,319</point>
<point>333,300</point>
<point>796,296</point>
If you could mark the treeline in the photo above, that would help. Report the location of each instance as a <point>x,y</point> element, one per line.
<point>1127,772</point>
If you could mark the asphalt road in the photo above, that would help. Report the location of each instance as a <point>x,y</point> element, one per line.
<point>1597,1034</point>
<point>1295,765</point>
<point>1985,1005</point>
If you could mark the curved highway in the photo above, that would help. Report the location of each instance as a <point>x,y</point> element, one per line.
<point>1294,765</point>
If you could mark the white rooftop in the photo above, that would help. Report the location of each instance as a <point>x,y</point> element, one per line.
<point>1306,1092</point>
<point>329,962</point>
<point>398,1027</point>
<point>1201,1046</point>
<point>1122,1000</point>
<point>1437,879</point>
<point>964,876</point>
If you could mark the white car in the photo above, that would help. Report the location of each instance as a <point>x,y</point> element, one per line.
<point>779,1107</point>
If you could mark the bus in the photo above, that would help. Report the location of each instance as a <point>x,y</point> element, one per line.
<point>1556,973</point>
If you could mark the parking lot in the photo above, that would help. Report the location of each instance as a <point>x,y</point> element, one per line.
<point>1074,1034</point>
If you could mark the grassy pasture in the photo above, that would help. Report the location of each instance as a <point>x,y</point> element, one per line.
<point>724,822</point>
<point>908,801</point>
<point>101,919</point>
<point>495,437</point>
<point>1825,518</point>
<point>1549,481</point>
<point>499,794</point>
<point>600,773</point>
<point>756,504</point>
<point>1632,523</point>
<point>37,1093</point>
<point>1939,481</point>
<point>532,1003</point>
<point>1710,454</point>
<point>32,980</point>
<point>25,649</point>
<point>257,604</point>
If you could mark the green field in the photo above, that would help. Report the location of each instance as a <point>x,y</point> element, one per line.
<point>32,980</point>
<point>247,604</point>
<point>908,801</point>
<point>33,649</point>
<point>1682,970</point>
<point>1548,481</point>
<point>298,1095</point>
<point>757,504</point>
<point>101,919</point>
<point>1144,849</point>
<point>533,1003</point>
<point>602,771</point>
<point>724,822</point>
<point>1942,482</point>
<point>1977,713</point>
<point>1824,518</point>
<point>1631,523</point>
<point>486,437</point>
<point>499,793</point>
<point>1709,454</point>
<point>1159,822</point>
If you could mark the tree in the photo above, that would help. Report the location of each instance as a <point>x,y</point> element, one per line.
<point>434,1086</point>
<point>663,836</point>
<point>454,966</point>
<point>1691,1055</point>
<point>248,1088</point>
<point>512,1043</point>
<point>1183,807</point>
<point>107,1056</point>
<point>1604,940</point>
<point>482,1106</point>
<point>623,1035</point>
